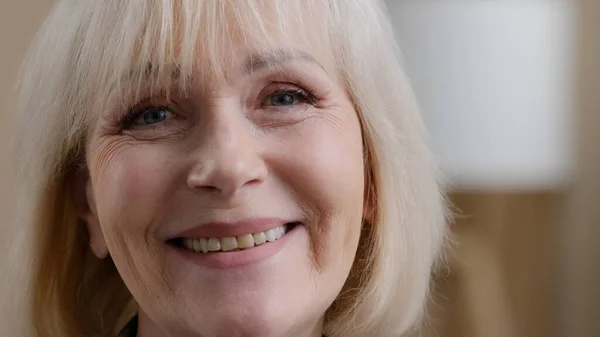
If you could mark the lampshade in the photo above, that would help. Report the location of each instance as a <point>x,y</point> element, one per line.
<point>494,80</point>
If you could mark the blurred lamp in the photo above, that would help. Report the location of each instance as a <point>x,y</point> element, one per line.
<point>494,81</point>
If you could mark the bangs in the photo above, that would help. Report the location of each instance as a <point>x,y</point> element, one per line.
<point>134,48</point>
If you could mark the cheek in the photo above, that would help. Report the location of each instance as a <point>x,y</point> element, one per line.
<point>323,159</point>
<point>130,188</point>
<point>322,162</point>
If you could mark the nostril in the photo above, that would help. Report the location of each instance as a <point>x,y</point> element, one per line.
<point>254,182</point>
<point>219,191</point>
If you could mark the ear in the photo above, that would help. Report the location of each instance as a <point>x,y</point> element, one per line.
<point>85,207</point>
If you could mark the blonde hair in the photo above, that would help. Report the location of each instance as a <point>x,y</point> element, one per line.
<point>88,50</point>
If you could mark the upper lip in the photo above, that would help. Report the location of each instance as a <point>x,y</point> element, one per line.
<point>231,229</point>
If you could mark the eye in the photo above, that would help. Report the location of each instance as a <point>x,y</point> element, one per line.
<point>152,116</point>
<point>282,99</point>
<point>147,116</point>
<point>287,97</point>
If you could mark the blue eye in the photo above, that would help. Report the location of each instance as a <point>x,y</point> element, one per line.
<point>283,99</point>
<point>288,97</point>
<point>152,116</point>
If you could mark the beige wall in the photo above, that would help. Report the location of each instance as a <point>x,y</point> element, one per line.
<point>580,279</point>
<point>19,21</point>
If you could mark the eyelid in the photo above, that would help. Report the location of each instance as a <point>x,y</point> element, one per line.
<point>140,108</point>
<point>285,87</point>
<point>317,83</point>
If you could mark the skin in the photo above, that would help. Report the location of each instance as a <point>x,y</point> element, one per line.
<point>229,151</point>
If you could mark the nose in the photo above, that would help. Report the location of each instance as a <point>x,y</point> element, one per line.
<point>228,160</point>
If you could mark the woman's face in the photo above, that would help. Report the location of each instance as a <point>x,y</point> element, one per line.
<point>234,210</point>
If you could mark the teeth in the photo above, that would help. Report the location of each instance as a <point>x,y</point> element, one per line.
<point>259,238</point>
<point>196,245</point>
<point>227,244</point>
<point>271,235</point>
<point>245,241</point>
<point>214,244</point>
<point>203,244</point>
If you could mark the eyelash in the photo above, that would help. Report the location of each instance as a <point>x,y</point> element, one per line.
<point>304,96</point>
<point>138,110</point>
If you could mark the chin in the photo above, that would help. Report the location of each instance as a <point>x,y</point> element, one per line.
<point>260,316</point>
<point>265,292</point>
<point>255,322</point>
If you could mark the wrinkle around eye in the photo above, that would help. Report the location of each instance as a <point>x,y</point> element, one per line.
<point>102,155</point>
<point>333,116</point>
<point>171,130</point>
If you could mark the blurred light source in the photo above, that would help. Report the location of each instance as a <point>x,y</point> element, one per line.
<point>494,81</point>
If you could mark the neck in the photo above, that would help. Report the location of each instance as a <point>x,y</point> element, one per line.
<point>148,328</point>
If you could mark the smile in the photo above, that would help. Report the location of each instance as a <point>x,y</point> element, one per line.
<point>207,245</point>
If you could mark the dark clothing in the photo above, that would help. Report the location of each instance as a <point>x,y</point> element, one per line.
<point>131,329</point>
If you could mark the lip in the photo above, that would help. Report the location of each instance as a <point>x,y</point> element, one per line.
<point>229,229</point>
<point>240,258</point>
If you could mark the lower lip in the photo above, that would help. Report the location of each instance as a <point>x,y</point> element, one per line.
<point>240,258</point>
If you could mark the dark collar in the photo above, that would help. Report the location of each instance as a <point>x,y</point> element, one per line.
<point>131,329</point>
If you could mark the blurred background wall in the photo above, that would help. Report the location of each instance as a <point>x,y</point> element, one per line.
<point>580,273</point>
<point>510,91</point>
<point>19,20</point>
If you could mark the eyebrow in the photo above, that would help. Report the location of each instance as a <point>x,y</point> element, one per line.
<point>275,58</point>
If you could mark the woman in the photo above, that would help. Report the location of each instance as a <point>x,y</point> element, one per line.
<point>222,168</point>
